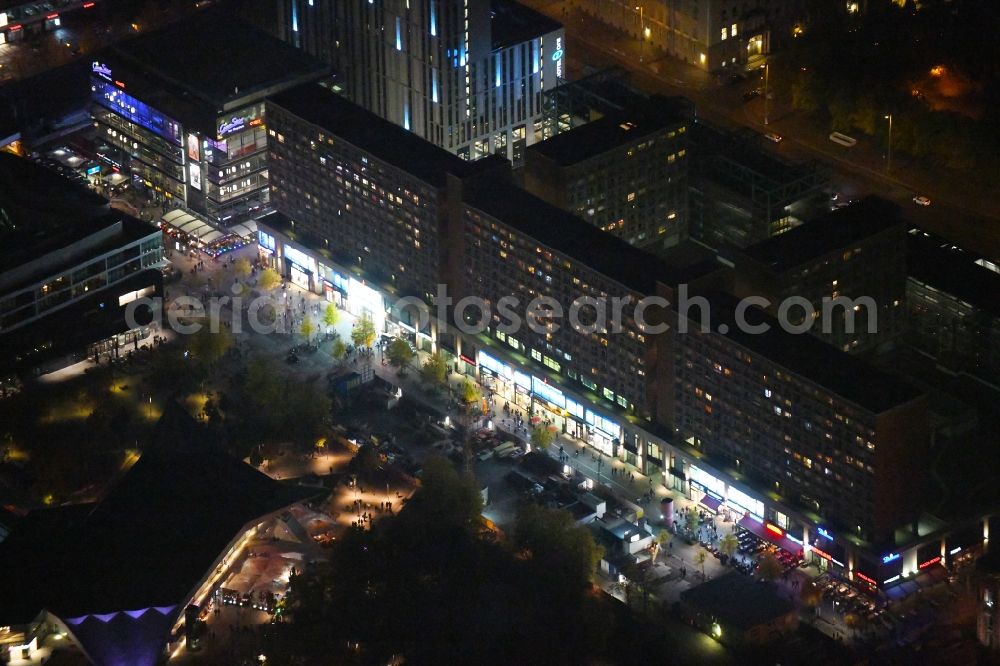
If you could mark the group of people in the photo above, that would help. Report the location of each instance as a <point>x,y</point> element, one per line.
<point>366,512</point>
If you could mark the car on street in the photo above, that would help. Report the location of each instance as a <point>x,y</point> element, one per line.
<point>773,136</point>
<point>921,200</point>
<point>751,94</point>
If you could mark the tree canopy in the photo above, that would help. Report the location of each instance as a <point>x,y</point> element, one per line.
<point>399,353</point>
<point>434,370</point>
<point>428,586</point>
<point>269,279</point>
<point>363,333</point>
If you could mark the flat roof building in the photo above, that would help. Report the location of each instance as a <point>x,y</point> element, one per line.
<point>824,429</point>
<point>742,193</point>
<point>953,305</point>
<point>188,125</point>
<point>70,265</point>
<point>737,610</point>
<point>625,173</point>
<point>856,253</point>
<point>363,190</point>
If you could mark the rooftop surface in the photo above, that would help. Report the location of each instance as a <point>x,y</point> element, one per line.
<point>745,149</point>
<point>41,211</point>
<point>149,540</point>
<point>384,140</point>
<point>571,236</point>
<point>179,71</point>
<point>737,600</point>
<point>617,129</point>
<point>953,270</point>
<point>838,372</point>
<point>513,23</point>
<point>833,232</point>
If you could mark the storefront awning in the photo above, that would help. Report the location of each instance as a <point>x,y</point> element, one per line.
<point>245,229</point>
<point>710,503</point>
<point>758,529</point>
<point>192,226</point>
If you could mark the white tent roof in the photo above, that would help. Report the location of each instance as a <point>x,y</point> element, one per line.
<point>245,229</point>
<point>172,215</point>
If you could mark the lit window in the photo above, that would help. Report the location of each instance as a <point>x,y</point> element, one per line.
<point>725,33</point>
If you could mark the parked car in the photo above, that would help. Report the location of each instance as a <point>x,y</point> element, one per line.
<point>921,200</point>
<point>751,94</point>
<point>773,136</point>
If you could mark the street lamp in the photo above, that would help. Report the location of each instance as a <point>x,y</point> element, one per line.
<point>767,73</point>
<point>888,164</point>
<point>642,32</point>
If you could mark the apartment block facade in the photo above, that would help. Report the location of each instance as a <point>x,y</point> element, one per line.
<point>467,75</point>
<point>625,173</point>
<point>856,253</point>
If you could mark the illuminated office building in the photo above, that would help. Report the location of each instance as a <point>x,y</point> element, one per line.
<point>189,126</point>
<point>467,75</point>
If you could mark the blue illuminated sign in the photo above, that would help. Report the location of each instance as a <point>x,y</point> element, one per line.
<point>890,558</point>
<point>823,533</point>
<point>557,55</point>
<point>550,393</point>
<point>522,379</point>
<point>490,363</point>
<point>120,102</point>
<point>101,70</point>
<point>94,170</point>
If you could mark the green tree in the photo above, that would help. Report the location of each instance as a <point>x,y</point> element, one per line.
<point>770,567</point>
<point>331,315</point>
<point>175,373</point>
<point>447,499</point>
<point>399,354</point>
<point>338,350</point>
<point>269,279</point>
<point>435,370</point>
<point>699,560</point>
<point>543,436</point>
<point>662,539</point>
<point>553,540</point>
<point>728,545</point>
<point>209,346</point>
<point>242,268</point>
<point>366,462</point>
<point>469,393</point>
<point>307,328</point>
<point>363,333</point>
<point>305,412</point>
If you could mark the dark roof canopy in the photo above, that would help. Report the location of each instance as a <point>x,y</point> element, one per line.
<point>738,601</point>
<point>149,541</point>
